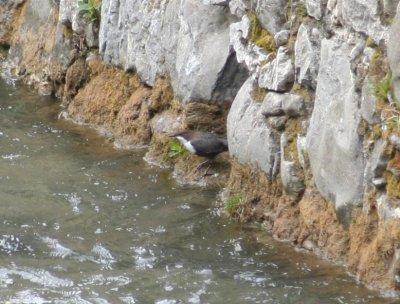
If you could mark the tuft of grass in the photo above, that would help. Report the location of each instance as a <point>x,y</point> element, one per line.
<point>232,203</point>
<point>175,149</point>
<point>383,88</point>
<point>90,9</point>
<point>260,36</point>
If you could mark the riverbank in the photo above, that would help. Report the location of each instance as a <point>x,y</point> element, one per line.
<point>83,222</point>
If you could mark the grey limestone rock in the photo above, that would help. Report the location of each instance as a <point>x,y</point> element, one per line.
<point>277,75</point>
<point>394,53</point>
<point>333,144</point>
<point>276,104</point>
<point>187,40</point>
<point>307,55</point>
<point>250,138</point>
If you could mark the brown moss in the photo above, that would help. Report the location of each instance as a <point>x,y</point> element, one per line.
<point>307,94</point>
<point>292,130</point>
<point>75,78</point>
<point>368,246</point>
<point>320,225</point>
<point>378,66</point>
<point>67,32</point>
<point>372,247</point>
<point>131,125</point>
<point>100,101</point>
<point>161,95</point>
<point>158,152</point>
<point>392,185</point>
<point>262,200</point>
<point>258,94</point>
<point>205,117</point>
<point>11,25</point>
<point>34,41</point>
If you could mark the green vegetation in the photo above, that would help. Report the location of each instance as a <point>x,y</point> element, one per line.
<point>90,9</point>
<point>175,149</point>
<point>259,36</point>
<point>232,202</point>
<point>383,88</point>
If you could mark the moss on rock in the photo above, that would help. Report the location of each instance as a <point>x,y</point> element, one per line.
<point>260,36</point>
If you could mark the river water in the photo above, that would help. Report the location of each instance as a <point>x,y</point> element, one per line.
<point>81,222</point>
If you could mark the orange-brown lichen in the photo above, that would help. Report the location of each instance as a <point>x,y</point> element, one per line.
<point>205,117</point>
<point>368,246</point>
<point>372,247</point>
<point>320,225</point>
<point>99,102</point>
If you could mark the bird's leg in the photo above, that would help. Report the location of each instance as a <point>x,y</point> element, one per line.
<point>202,164</point>
<point>208,168</point>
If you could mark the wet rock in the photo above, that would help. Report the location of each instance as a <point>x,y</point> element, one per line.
<point>277,75</point>
<point>75,77</point>
<point>250,139</point>
<point>45,88</point>
<point>307,55</point>
<point>333,144</point>
<point>8,13</point>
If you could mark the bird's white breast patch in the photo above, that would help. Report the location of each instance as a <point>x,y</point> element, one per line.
<point>187,144</point>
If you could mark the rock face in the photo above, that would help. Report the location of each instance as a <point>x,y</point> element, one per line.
<point>9,10</point>
<point>305,86</point>
<point>249,137</point>
<point>333,144</point>
<point>394,53</point>
<point>187,40</point>
<point>277,75</point>
<point>307,55</point>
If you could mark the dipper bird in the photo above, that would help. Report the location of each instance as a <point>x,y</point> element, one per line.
<point>202,144</point>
